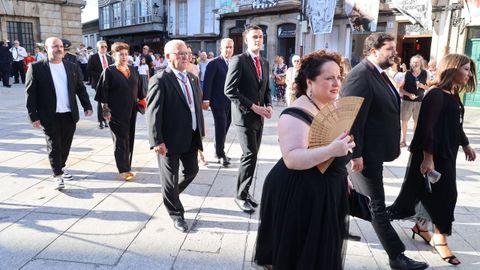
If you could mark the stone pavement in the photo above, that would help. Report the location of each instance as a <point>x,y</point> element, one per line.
<point>100,222</point>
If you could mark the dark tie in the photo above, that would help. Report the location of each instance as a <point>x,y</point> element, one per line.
<point>257,66</point>
<point>388,82</point>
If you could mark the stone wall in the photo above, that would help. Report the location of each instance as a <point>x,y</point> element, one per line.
<point>61,18</point>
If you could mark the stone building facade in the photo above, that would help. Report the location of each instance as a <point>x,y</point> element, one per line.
<point>33,21</point>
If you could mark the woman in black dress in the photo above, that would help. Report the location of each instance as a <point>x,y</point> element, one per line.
<point>303,215</point>
<point>435,144</point>
<point>119,90</point>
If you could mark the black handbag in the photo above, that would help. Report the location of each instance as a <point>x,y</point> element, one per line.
<point>359,205</point>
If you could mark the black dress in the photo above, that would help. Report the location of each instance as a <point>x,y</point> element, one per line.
<point>303,215</point>
<point>440,132</point>
<point>121,94</point>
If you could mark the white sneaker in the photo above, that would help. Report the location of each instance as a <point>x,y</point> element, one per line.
<point>66,176</point>
<point>59,184</point>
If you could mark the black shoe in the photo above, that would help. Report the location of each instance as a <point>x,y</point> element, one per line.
<point>180,224</point>
<point>105,124</point>
<point>8,86</point>
<point>16,83</point>
<point>224,162</point>
<point>402,262</point>
<point>354,237</point>
<point>245,206</point>
<point>227,158</point>
<point>252,201</point>
<point>101,125</point>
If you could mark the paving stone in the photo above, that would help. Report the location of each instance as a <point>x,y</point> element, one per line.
<point>22,241</point>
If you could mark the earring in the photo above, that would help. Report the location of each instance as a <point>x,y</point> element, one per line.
<point>309,92</point>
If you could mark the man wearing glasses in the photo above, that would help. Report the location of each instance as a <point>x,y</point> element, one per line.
<point>175,127</point>
<point>96,64</point>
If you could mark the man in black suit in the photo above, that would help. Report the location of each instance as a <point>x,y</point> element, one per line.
<point>97,63</point>
<point>377,131</point>
<point>248,89</point>
<point>6,61</point>
<point>214,96</point>
<point>52,86</point>
<point>175,125</point>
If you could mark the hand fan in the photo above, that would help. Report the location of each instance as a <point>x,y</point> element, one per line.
<point>331,121</point>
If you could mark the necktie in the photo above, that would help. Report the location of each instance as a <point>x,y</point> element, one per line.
<point>183,78</point>
<point>16,49</point>
<point>257,66</point>
<point>387,81</point>
<point>104,62</point>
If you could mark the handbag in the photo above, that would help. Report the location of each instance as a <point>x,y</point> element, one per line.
<point>359,205</point>
<point>280,80</point>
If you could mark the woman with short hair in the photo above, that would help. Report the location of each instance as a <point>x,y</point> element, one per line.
<point>119,90</point>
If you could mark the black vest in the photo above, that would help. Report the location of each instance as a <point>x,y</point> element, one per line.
<point>411,85</point>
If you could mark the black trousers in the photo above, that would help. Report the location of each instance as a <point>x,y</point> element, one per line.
<point>370,182</point>
<point>83,67</point>
<point>18,69</point>
<point>123,134</point>
<point>222,120</point>
<point>59,136</point>
<point>172,183</point>
<point>5,69</point>
<point>100,113</point>
<point>250,139</point>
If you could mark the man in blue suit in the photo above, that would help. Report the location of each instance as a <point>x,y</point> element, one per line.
<point>214,96</point>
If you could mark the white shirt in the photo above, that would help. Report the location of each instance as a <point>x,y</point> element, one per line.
<point>18,53</point>
<point>40,56</point>
<point>143,69</point>
<point>59,76</point>
<point>190,91</point>
<point>136,61</point>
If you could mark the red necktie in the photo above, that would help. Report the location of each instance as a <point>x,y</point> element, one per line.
<point>257,66</point>
<point>104,62</point>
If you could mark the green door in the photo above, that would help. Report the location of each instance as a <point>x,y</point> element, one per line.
<point>473,50</point>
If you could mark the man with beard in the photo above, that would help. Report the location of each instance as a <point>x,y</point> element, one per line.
<point>377,131</point>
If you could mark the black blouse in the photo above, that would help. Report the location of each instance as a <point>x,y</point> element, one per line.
<point>119,92</point>
<point>440,125</point>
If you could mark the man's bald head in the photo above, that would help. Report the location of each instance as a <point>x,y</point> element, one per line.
<point>54,48</point>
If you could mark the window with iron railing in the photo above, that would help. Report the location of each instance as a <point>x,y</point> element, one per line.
<point>23,32</point>
<point>182,17</point>
<point>209,16</point>
<point>117,14</point>
<point>128,12</point>
<point>105,17</point>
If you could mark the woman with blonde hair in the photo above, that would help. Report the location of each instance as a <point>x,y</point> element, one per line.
<point>292,72</point>
<point>119,91</point>
<point>434,147</point>
<point>280,72</point>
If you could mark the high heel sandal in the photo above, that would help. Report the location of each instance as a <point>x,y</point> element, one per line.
<point>418,231</point>
<point>453,260</point>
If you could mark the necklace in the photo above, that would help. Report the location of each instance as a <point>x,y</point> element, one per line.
<point>311,101</point>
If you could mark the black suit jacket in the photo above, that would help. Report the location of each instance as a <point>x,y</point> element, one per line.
<point>95,68</point>
<point>243,89</point>
<point>169,119</point>
<point>376,129</point>
<point>41,97</point>
<point>214,84</point>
